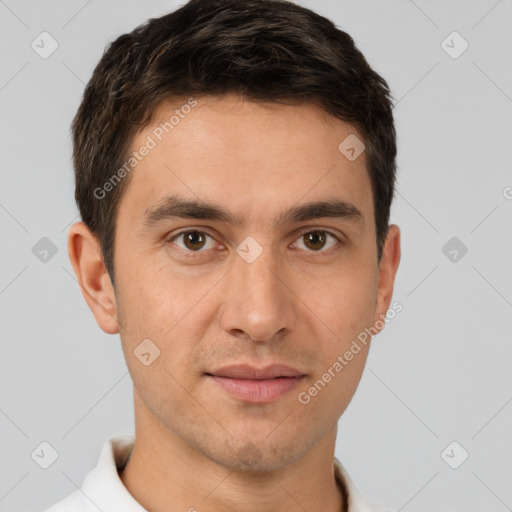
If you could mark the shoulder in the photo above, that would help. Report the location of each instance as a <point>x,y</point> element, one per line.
<point>75,502</point>
<point>355,501</point>
<point>102,488</point>
<point>373,507</point>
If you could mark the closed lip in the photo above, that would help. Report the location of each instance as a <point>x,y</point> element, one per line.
<point>241,371</point>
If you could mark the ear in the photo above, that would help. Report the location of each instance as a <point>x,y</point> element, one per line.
<point>387,271</point>
<point>87,260</point>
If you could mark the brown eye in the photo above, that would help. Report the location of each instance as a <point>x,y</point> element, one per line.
<point>193,241</point>
<point>315,241</point>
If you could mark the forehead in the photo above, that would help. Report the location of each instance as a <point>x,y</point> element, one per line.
<point>246,155</point>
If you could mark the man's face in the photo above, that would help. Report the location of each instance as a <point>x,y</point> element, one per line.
<point>296,293</point>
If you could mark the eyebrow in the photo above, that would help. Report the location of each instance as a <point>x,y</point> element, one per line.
<point>174,207</point>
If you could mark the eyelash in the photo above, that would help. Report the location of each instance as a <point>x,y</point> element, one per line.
<point>193,253</point>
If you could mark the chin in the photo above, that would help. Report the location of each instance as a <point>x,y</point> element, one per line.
<point>258,456</point>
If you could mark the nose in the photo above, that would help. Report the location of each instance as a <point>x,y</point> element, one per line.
<point>258,299</point>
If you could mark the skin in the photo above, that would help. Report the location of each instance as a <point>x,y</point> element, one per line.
<point>196,446</point>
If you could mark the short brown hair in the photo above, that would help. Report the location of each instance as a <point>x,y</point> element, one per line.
<point>266,50</point>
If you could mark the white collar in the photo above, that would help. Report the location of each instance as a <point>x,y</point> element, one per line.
<point>104,490</point>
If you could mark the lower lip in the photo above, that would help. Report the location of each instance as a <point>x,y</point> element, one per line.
<point>258,391</point>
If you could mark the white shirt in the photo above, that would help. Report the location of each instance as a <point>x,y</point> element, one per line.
<point>103,489</point>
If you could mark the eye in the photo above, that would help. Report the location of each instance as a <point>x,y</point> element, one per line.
<point>316,240</point>
<point>193,240</point>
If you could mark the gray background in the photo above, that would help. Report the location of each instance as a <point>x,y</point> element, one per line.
<point>439,372</point>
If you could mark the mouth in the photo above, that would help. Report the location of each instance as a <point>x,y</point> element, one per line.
<point>254,385</point>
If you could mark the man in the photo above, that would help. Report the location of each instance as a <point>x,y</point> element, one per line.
<point>235,167</point>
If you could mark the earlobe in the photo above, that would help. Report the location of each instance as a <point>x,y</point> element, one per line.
<point>389,263</point>
<point>86,258</point>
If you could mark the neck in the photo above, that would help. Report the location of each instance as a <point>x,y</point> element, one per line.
<point>165,473</point>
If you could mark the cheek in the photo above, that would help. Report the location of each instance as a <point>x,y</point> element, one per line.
<point>342,293</point>
<point>171,311</point>
<point>348,311</point>
<point>329,393</point>
<point>154,298</point>
<point>346,308</point>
